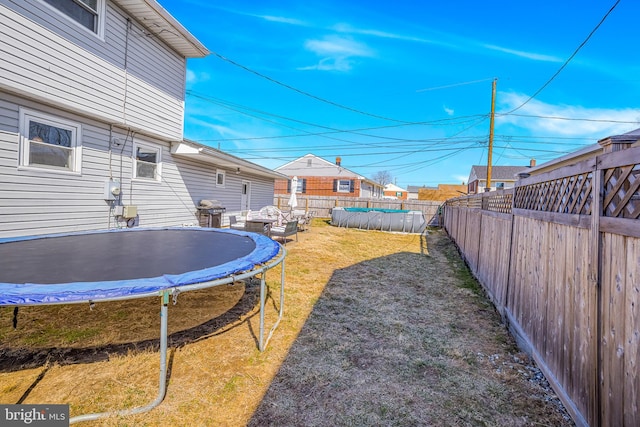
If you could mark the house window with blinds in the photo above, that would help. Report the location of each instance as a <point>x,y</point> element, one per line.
<point>343,186</point>
<point>49,142</point>
<point>302,186</point>
<point>86,13</point>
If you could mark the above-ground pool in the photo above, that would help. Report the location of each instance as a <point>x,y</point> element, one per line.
<point>404,221</point>
<point>113,265</point>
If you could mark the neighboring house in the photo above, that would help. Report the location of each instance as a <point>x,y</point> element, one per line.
<point>91,121</point>
<point>392,190</point>
<point>609,144</point>
<point>501,177</point>
<point>319,177</point>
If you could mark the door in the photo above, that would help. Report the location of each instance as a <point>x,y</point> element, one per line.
<point>245,197</point>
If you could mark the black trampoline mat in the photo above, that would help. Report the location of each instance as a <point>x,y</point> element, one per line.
<point>122,255</point>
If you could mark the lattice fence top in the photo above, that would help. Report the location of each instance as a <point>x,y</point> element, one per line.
<point>571,194</point>
<point>570,189</point>
<point>622,194</point>
<point>495,201</point>
<point>498,201</point>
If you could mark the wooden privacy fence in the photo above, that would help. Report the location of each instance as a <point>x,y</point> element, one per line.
<point>322,205</point>
<point>559,255</point>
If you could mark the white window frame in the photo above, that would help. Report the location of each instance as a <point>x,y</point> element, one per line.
<point>223,174</point>
<point>340,183</point>
<point>158,149</point>
<point>101,10</point>
<point>25,117</point>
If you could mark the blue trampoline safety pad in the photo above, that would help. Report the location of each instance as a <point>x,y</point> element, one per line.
<point>112,264</point>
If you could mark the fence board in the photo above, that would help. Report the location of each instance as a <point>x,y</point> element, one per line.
<point>632,335</point>
<point>472,238</point>
<point>613,298</point>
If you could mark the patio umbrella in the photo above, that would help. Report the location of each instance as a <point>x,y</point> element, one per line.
<point>293,201</point>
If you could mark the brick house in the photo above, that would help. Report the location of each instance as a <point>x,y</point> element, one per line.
<point>320,177</point>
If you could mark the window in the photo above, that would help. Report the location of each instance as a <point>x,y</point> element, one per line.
<point>146,162</point>
<point>343,186</point>
<point>87,13</point>
<point>499,185</point>
<point>49,142</point>
<point>220,178</point>
<point>301,188</point>
<point>309,163</point>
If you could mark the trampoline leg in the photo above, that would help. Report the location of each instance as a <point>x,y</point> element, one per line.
<point>262,302</point>
<point>262,345</point>
<point>162,389</point>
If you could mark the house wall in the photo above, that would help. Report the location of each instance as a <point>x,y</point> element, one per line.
<point>478,186</point>
<point>402,194</point>
<point>321,186</point>
<point>34,201</point>
<point>47,58</point>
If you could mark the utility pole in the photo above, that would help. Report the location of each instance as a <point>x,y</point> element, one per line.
<point>492,117</point>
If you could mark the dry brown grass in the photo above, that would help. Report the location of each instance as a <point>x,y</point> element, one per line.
<point>375,333</point>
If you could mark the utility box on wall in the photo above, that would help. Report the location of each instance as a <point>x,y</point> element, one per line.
<point>129,211</point>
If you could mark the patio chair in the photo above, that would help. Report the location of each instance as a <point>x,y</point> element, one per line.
<point>255,227</point>
<point>288,229</point>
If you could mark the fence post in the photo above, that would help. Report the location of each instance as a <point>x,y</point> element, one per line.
<point>595,248</point>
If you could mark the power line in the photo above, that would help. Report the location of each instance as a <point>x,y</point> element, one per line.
<point>454,85</point>
<point>335,104</point>
<point>571,118</point>
<point>568,60</point>
<point>330,130</point>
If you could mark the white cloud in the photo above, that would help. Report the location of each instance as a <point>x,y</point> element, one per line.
<point>523,54</point>
<point>538,117</point>
<point>348,29</point>
<point>337,53</point>
<point>192,77</point>
<point>460,178</point>
<point>283,20</point>
<point>447,110</point>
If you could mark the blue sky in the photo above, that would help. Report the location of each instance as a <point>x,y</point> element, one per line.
<point>405,86</point>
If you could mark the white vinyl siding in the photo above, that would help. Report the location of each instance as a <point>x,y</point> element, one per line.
<point>43,64</point>
<point>38,201</point>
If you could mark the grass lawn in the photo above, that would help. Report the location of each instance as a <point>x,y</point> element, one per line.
<point>380,329</point>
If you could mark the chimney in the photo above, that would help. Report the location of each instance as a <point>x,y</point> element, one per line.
<point>532,163</point>
<point>338,161</point>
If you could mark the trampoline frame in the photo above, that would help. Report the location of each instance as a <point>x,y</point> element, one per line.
<point>174,291</point>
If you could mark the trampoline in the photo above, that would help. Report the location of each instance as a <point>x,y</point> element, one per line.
<point>112,265</point>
